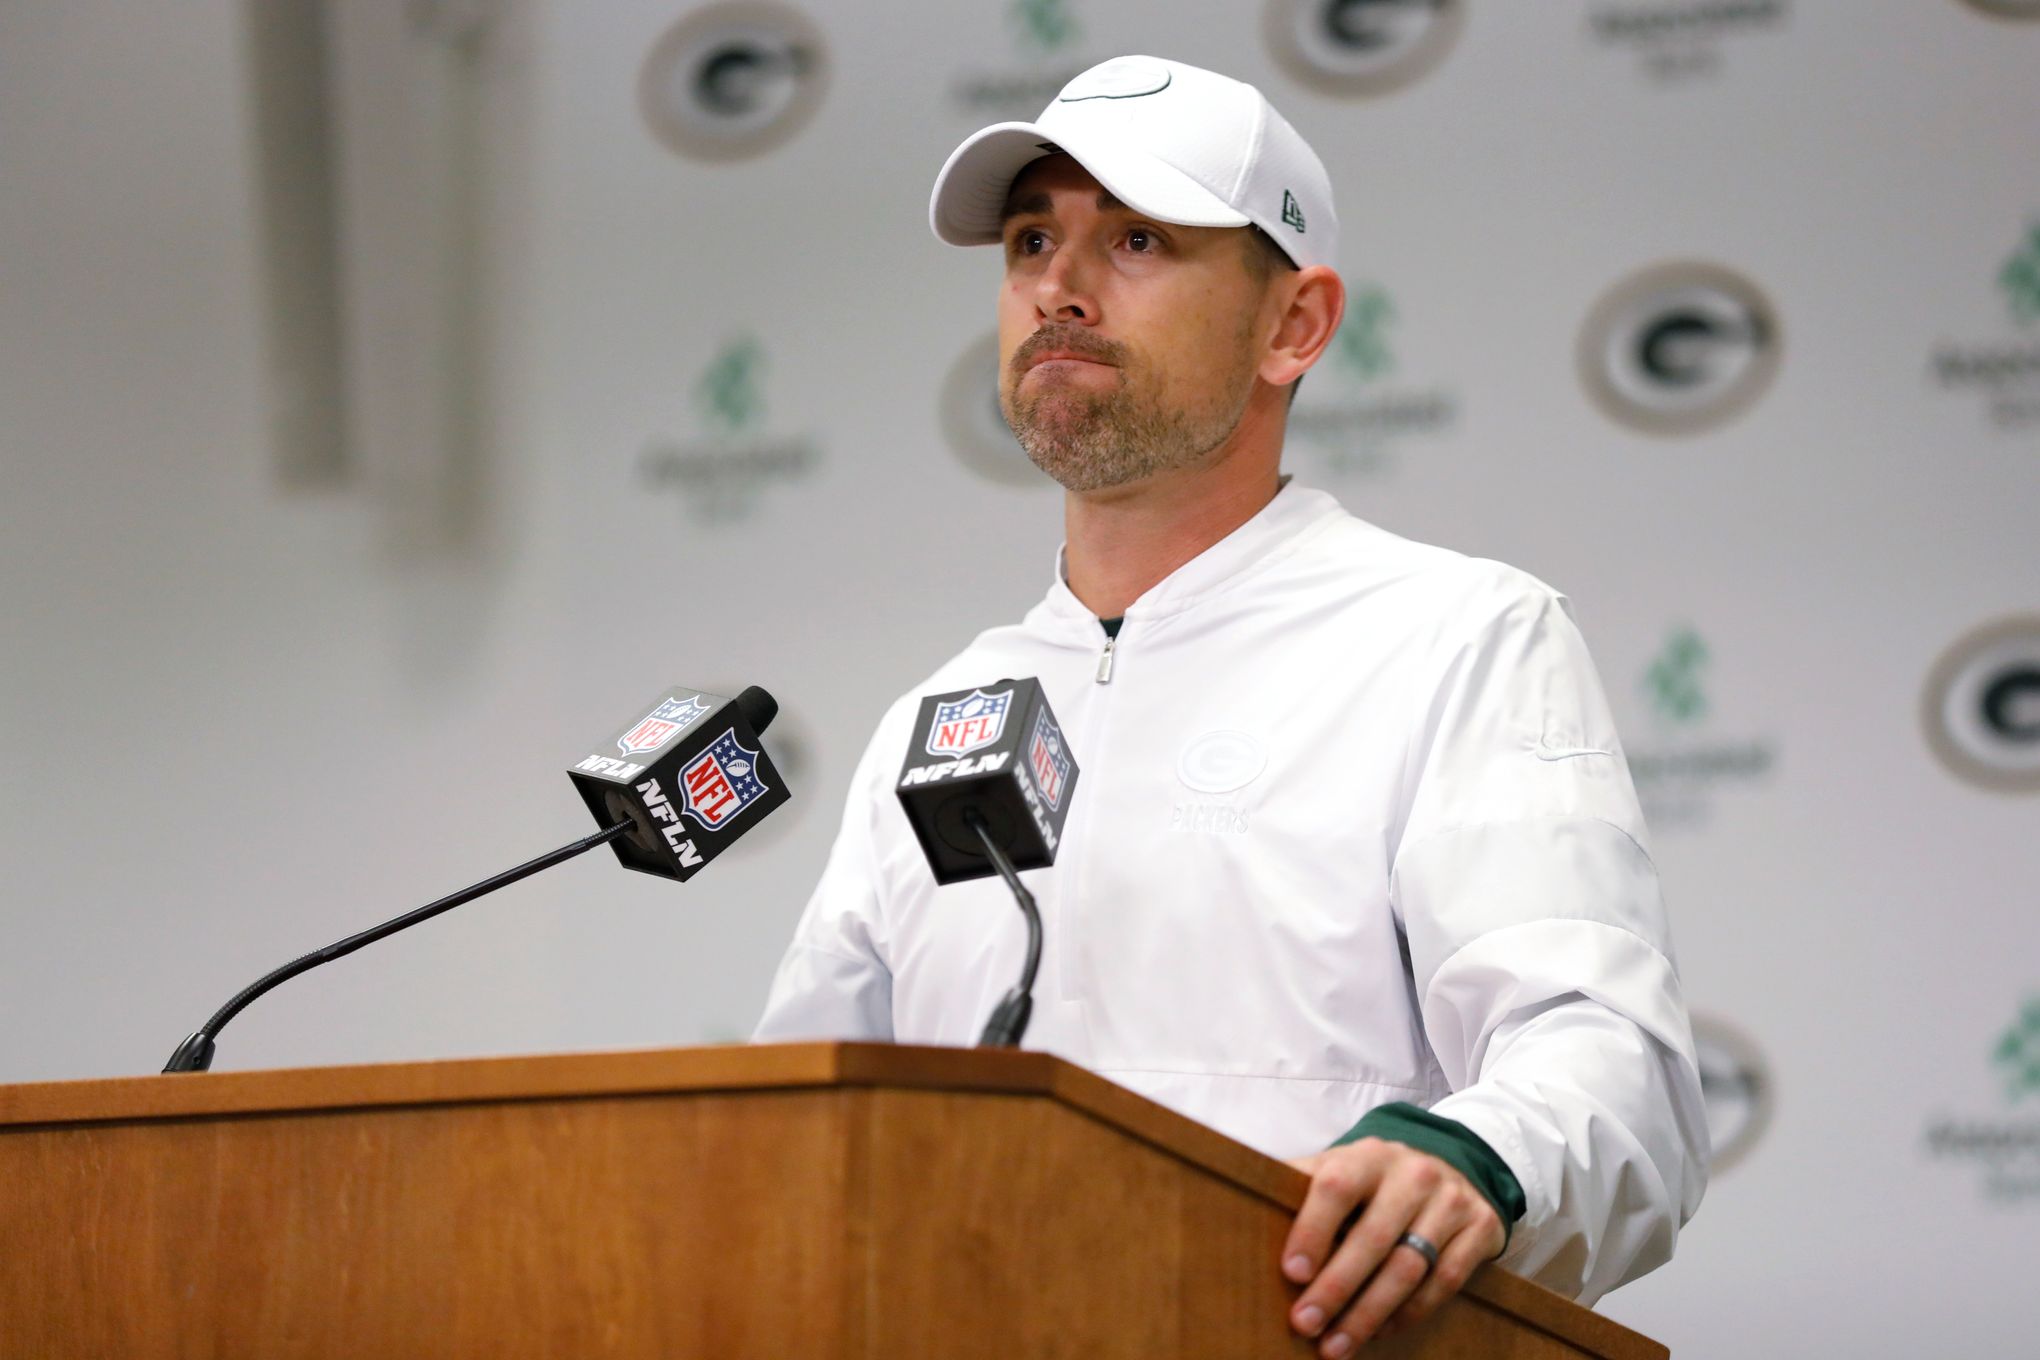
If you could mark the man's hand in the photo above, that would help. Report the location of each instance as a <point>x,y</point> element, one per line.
<point>1405,1191</point>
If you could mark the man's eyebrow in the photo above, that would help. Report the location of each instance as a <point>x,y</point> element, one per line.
<point>1024,207</point>
<point>1039,203</point>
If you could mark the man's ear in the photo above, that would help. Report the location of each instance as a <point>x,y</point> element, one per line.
<point>1313,302</point>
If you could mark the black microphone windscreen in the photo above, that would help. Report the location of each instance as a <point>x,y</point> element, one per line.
<point>758,707</point>
<point>995,751</point>
<point>691,774</point>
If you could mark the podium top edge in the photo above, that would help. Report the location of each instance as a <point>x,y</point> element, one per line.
<point>640,1072</point>
<point>734,1067</point>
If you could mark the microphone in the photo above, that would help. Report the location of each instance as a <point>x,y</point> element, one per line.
<point>986,787</point>
<point>690,777</point>
<point>726,785</point>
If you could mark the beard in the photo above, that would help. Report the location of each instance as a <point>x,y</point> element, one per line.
<point>1092,441</point>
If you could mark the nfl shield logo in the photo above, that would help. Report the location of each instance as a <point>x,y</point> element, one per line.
<point>721,782</point>
<point>661,725</point>
<point>1048,761</point>
<point>971,722</point>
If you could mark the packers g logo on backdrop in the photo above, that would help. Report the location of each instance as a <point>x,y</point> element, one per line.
<point>1735,1085</point>
<point>976,428</point>
<point>1679,348</point>
<point>2008,9</point>
<point>1361,47</point>
<point>1981,707</point>
<point>733,80</point>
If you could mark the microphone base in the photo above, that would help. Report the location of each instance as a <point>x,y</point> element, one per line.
<point>193,1055</point>
<point>1008,1022</point>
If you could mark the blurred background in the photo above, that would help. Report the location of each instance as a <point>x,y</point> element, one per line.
<point>396,397</point>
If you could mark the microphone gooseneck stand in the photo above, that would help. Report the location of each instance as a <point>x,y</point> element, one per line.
<point>196,1053</point>
<point>1009,1019</point>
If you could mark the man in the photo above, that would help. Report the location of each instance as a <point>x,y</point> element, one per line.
<point>1355,872</point>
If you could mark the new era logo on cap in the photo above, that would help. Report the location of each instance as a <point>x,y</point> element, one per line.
<point>1173,142</point>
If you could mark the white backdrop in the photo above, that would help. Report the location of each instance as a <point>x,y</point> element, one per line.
<point>637,393</point>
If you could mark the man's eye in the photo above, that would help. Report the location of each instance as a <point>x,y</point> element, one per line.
<point>1031,242</point>
<point>1140,240</point>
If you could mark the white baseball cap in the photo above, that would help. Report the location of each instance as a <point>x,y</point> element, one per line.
<point>1174,142</point>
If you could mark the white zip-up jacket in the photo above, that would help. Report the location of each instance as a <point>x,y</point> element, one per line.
<point>1352,827</point>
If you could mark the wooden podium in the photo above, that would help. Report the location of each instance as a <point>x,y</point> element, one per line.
<point>812,1200</point>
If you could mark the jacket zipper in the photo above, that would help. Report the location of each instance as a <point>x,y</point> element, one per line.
<point>1070,866</point>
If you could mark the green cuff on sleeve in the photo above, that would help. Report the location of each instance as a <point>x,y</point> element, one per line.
<point>1450,1142</point>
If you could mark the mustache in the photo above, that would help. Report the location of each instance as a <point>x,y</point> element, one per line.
<point>1070,339</point>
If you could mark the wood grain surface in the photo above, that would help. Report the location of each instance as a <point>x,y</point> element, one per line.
<point>815,1199</point>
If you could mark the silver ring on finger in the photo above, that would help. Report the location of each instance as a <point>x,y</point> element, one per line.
<point>1424,1247</point>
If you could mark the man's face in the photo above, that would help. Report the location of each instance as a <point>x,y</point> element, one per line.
<point>1127,346</point>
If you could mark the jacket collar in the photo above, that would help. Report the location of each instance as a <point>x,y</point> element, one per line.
<point>1270,535</point>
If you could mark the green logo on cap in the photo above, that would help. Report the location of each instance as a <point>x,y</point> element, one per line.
<point>1292,211</point>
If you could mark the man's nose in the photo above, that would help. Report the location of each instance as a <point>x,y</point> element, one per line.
<point>1064,290</point>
